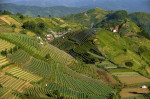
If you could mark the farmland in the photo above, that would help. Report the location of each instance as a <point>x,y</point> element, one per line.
<point>4,45</point>
<point>129,92</point>
<point>13,83</point>
<point>38,67</point>
<point>3,61</point>
<point>19,57</point>
<point>76,63</point>
<point>19,73</point>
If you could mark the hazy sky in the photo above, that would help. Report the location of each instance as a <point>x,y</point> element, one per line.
<point>142,5</point>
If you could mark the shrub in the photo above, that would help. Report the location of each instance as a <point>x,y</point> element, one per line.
<point>130,64</point>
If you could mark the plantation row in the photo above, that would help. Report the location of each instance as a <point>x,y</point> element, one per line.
<point>13,83</point>
<point>38,92</point>
<point>3,61</point>
<point>7,93</point>
<point>56,54</point>
<point>5,45</point>
<point>38,67</point>
<point>19,73</point>
<point>88,70</point>
<point>30,45</point>
<point>92,89</point>
<point>65,91</point>
<point>19,57</point>
<point>23,41</point>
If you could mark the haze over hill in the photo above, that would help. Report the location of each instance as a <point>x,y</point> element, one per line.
<point>33,11</point>
<point>129,5</point>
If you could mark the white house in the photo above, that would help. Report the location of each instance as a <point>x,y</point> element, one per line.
<point>115,31</point>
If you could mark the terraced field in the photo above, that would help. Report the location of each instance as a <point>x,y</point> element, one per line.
<point>131,78</point>
<point>19,57</point>
<point>38,92</point>
<point>1,22</point>
<point>128,93</point>
<point>56,54</point>
<point>27,42</point>
<point>13,83</point>
<point>19,73</point>
<point>76,86</point>
<point>11,21</point>
<point>5,45</point>
<point>7,93</point>
<point>3,61</point>
<point>38,67</point>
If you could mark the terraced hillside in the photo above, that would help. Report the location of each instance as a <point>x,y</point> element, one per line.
<point>34,69</point>
<point>93,63</point>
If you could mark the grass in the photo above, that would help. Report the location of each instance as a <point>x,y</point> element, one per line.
<point>122,50</point>
<point>125,74</point>
<point>119,70</point>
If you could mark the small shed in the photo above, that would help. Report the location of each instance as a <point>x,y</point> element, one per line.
<point>144,86</point>
<point>41,43</point>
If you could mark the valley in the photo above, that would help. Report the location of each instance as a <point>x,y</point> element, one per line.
<point>97,54</point>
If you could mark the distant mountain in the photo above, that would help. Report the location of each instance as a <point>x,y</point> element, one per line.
<point>33,11</point>
<point>129,5</point>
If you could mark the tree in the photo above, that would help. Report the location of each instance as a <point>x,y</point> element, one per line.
<point>15,49</point>
<point>47,56</point>
<point>50,16</point>
<point>6,12</point>
<point>21,17</point>
<point>11,51</point>
<point>39,15</point>
<point>143,32</point>
<point>41,25</point>
<point>18,14</point>
<point>13,26</point>
<point>29,25</point>
<point>4,53</point>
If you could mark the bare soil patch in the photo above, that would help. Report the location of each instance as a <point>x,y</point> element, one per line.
<point>128,92</point>
<point>106,77</point>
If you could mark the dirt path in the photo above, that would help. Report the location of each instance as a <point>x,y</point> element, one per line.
<point>3,18</point>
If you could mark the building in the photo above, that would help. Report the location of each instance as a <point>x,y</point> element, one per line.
<point>144,86</point>
<point>41,43</point>
<point>116,28</point>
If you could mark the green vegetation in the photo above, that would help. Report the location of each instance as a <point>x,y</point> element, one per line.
<point>78,62</point>
<point>19,57</point>
<point>38,67</point>
<point>19,73</point>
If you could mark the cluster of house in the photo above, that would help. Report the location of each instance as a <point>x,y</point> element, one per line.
<point>49,37</point>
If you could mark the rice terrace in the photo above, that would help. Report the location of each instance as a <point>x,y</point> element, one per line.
<point>83,49</point>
